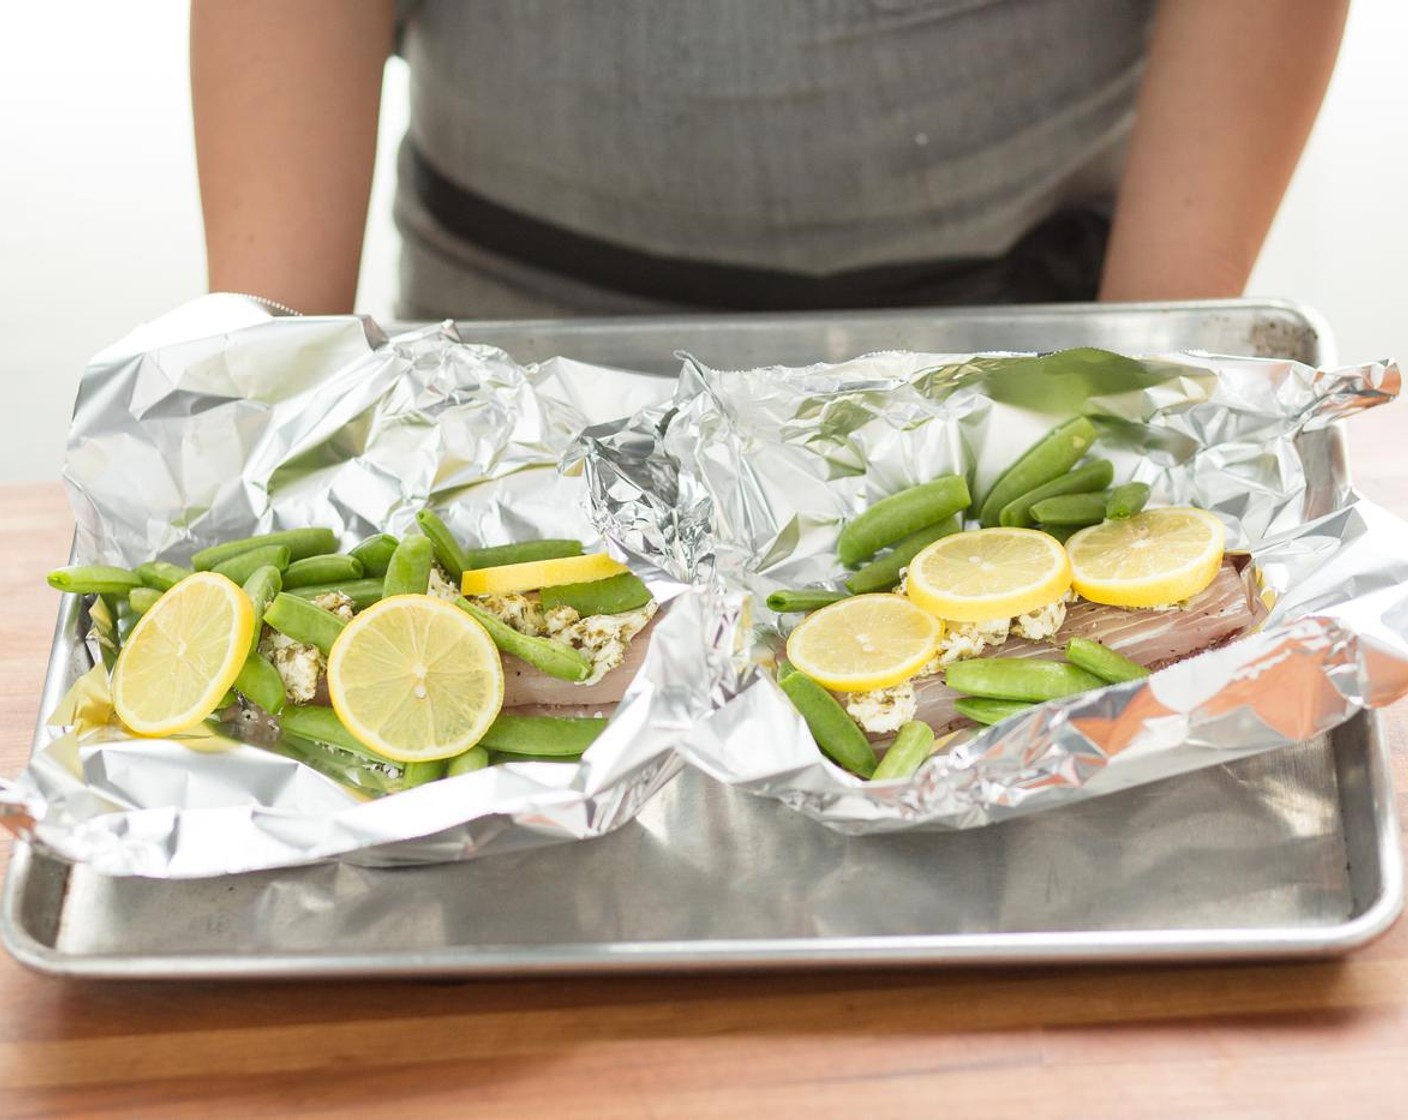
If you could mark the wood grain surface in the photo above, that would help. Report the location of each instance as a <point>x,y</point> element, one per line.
<point>1270,1040</point>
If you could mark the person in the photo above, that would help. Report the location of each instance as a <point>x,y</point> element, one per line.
<point>632,156</point>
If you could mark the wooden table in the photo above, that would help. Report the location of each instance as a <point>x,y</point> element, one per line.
<point>1327,1038</point>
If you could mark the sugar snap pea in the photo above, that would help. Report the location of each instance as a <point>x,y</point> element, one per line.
<point>142,599</point>
<point>501,758</point>
<point>1050,457</point>
<point>375,553</point>
<point>409,570</point>
<point>1071,509</point>
<point>1104,662</point>
<point>362,592</point>
<point>804,599</point>
<point>500,554</point>
<point>313,570</point>
<point>260,682</point>
<point>553,736</point>
<point>1082,480</point>
<point>834,731</point>
<point>161,575</point>
<point>261,587</point>
<point>553,658</point>
<point>1013,678</point>
<point>448,552</point>
<point>914,742</point>
<point>1127,500</point>
<point>616,594</point>
<point>303,621</point>
<point>476,758</point>
<point>884,573</point>
<point>93,579</point>
<point>982,710</point>
<point>892,519</point>
<point>299,542</point>
<point>319,723</point>
<point>418,773</point>
<point>240,568</point>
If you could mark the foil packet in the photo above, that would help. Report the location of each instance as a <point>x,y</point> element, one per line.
<point>743,481</point>
<point>220,421</point>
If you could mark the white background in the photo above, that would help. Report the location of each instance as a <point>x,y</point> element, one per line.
<point>100,219</point>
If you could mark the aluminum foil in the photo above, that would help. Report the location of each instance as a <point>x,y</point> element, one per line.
<point>744,479</point>
<point>221,421</point>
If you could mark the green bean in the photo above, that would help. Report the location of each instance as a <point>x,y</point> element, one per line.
<point>362,592</point>
<point>93,579</point>
<point>499,555</point>
<point>1127,500</point>
<point>316,722</point>
<point>549,736</point>
<point>313,570</point>
<point>299,542</point>
<point>1071,509</point>
<point>375,553</point>
<point>240,568</point>
<point>1049,458</point>
<point>409,570</point>
<point>260,682</point>
<point>161,575</point>
<point>1082,480</point>
<point>892,519</point>
<point>883,574</point>
<point>913,744</point>
<point>834,731</point>
<point>1013,678</point>
<point>261,587</point>
<point>1062,533</point>
<point>1104,662</point>
<point>803,600</point>
<point>476,758</point>
<point>418,773</point>
<point>785,670</point>
<point>142,599</point>
<point>303,621</point>
<point>613,595</point>
<point>448,552</point>
<point>985,711</point>
<point>553,658</point>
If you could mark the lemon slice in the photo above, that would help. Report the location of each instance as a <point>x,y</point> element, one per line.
<point>183,655</point>
<point>533,574</point>
<point>865,642</point>
<point>1155,557</point>
<point>989,574</point>
<point>415,679</point>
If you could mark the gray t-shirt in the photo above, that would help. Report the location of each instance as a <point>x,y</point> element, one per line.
<point>802,137</point>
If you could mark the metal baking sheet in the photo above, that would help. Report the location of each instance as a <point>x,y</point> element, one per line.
<point>1291,853</point>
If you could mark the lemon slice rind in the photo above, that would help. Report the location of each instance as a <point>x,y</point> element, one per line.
<point>864,642</point>
<point>415,679</point>
<point>182,656</point>
<point>1167,555</point>
<point>535,574</point>
<point>988,574</point>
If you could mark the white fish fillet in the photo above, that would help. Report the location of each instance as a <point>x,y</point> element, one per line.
<point>528,688</point>
<point>1228,608</point>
